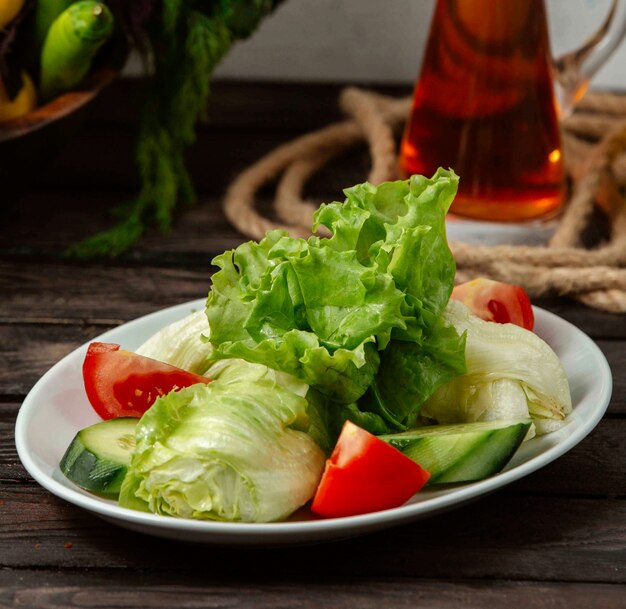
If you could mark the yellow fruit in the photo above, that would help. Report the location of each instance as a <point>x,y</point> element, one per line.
<point>9,10</point>
<point>23,103</point>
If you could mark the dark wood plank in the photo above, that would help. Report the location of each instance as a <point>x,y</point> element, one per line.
<point>198,233</point>
<point>501,537</point>
<point>94,590</point>
<point>596,466</point>
<point>595,323</point>
<point>11,469</point>
<point>88,293</point>
<point>25,353</point>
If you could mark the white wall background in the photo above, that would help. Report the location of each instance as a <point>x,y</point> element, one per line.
<point>381,41</point>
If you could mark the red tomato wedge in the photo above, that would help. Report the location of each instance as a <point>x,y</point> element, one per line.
<point>496,301</point>
<point>123,384</point>
<point>365,474</point>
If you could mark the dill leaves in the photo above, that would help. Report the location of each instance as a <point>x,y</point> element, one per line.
<point>187,40</point>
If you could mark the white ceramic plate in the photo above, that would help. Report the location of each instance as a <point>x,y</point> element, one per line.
<point>56,408</point>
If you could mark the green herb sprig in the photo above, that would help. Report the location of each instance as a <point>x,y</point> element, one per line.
<point>187,39</point>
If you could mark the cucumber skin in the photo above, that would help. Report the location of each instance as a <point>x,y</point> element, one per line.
<point>85,469</point>
<point>487,456</point>
<point>79,469</point>
<point>70,46</point>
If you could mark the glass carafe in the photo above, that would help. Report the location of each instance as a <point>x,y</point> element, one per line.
<point>488,100</point>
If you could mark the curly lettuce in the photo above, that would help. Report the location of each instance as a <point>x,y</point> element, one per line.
<point>327,309</point>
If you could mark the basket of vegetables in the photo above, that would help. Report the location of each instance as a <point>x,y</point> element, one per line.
<point>56,56</point>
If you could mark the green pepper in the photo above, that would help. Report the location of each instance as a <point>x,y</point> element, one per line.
<point>71,44</point>
<point>38,25</point>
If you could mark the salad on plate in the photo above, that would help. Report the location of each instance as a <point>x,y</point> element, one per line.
<point>344,372</point>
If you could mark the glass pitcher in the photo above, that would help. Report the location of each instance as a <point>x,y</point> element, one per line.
<point>486,105</point>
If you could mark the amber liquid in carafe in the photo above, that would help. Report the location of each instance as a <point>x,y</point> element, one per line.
<point>484,106</point>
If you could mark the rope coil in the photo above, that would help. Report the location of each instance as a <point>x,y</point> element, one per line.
<point>594,144</point>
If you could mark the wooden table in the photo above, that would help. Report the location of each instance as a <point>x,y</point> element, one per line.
<point>556,538</point>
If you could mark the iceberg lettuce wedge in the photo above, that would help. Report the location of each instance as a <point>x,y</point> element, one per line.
<point>236,449</point>
<point>511,374</point>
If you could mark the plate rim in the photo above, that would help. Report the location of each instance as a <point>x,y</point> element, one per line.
<point>316,528</point>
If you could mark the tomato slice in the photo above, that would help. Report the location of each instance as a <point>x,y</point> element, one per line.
<point>496,301</point>
<point>365,474</point>
<point>123,384</point>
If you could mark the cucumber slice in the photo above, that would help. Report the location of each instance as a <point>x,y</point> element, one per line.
<point>464,452</point>
<point>98,457</point>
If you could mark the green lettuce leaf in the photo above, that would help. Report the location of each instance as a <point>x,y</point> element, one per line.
<point>312,312</point>
<point>400,228</point>
<point>326,309</point>
<point>237,449</point>
<point>411,372</point>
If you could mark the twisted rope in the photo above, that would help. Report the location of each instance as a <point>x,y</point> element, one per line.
<point>594,146</point>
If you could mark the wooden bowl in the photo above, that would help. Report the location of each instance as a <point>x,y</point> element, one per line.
<point>28,143</point>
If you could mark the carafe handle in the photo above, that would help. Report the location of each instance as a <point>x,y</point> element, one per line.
<point>574,70</point>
